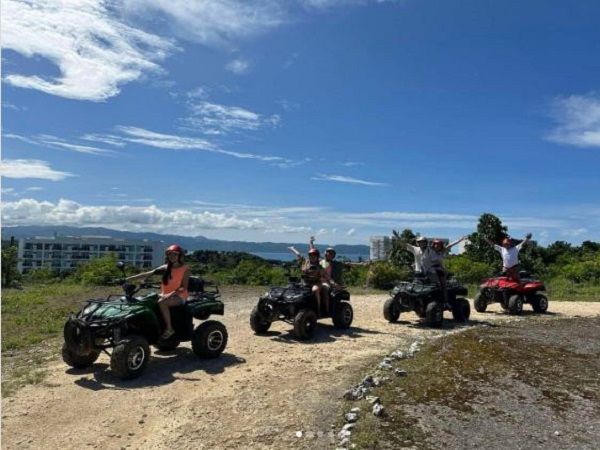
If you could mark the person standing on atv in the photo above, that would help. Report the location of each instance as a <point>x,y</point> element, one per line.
<point>423,254</point>
<point>510,255</point>
<point>174,287</point>
<point>312,273</point>
<point>437,262</point>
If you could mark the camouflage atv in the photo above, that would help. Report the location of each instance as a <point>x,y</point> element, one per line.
<point>426,300</point>
<point>124,327</point>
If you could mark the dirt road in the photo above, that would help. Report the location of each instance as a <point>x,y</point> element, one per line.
<point>265,392</point>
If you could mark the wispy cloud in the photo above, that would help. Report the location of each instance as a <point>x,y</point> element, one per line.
<point>31,168</point>
<point>215,119</point>
<point>214,23</point>
<point>578,118</point>
<point>95,53</point>
<point>343,179</point>
<point>174,142</point>
<point>56,142</point>
<point>238,66</point>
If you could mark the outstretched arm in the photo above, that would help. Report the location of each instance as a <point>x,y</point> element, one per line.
<point>295,252</point>
<point>143,275</point>
<point>460,239</point>
<point>488,241</point>
<point>311,242</point>
<point>527,238</point>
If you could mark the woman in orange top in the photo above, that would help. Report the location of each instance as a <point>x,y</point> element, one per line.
<point>174,287</point>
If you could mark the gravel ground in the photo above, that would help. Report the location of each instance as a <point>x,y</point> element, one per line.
<point>264,392</point>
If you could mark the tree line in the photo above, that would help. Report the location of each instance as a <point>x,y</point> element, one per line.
<point>558,261</point>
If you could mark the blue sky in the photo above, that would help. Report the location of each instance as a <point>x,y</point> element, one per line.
<point>276,120</point>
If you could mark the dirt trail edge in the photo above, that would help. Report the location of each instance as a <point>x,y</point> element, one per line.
<point>260,394</point>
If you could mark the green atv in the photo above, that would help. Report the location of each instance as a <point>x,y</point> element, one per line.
<point>129,324</point>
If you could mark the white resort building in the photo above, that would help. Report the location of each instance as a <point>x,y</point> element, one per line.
<point>66,252</point>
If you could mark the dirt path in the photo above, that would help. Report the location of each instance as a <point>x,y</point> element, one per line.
<point>258,395</point>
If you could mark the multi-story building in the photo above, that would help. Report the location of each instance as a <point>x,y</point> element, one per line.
<point>66,252</point>
<point>380,247</point>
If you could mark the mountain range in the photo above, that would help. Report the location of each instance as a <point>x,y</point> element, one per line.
<point>190,243</point>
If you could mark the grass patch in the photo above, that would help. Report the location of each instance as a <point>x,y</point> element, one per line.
<point>32,324</point>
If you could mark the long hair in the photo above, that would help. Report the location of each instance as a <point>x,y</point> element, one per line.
<point>167,273</point>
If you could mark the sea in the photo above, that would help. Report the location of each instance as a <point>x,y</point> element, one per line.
<point>289,256</point>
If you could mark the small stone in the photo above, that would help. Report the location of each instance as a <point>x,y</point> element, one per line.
<point>378,409</point>
<point>372,399</point>
<point>351,417</point>
<point>298,434</point>
<point>400,372</point>
<point>557,433</point>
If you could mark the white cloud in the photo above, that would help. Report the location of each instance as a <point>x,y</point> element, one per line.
<point>215,119</point>
<point>215,22</point>
<point>343,179</point>
<point>238,66</point>
<point>31,168</point>
<point>173,142</point>
<point>95,53</point>
<point>56,142</point>
<point>579,120</point>
<point>151,218</point>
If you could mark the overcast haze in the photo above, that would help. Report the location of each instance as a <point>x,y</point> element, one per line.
<point>273,120</point>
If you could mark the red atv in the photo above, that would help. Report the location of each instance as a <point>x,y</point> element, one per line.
<point>511,295</point>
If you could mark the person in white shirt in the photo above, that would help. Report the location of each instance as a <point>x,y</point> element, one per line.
<point>510,255</point>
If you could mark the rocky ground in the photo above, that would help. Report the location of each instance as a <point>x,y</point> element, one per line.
<point>264,392</point>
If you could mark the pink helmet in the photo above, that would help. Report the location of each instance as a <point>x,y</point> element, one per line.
<point>174,248</point>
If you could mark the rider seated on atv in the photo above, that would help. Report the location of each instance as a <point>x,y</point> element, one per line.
<point>510,255</point>
<point>174,287</point>
<point>313,275</point>
<point>332,268</point>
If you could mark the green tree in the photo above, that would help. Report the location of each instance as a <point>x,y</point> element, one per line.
<point>99,272</point>
<point>399,256</point>
<point>10,258</point>
<point>477,249</point>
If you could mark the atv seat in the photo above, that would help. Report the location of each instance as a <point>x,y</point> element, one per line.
<point>195,285</point>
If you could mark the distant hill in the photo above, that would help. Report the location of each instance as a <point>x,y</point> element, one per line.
<point>189,243</point>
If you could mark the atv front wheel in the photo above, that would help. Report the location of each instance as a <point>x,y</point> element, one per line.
<point>209,339</point>
<point>434,315</point>
<point>305,323</point>
<point>130,356</point>
<point>257,322</point>
<point>461,310</point>
<point>480,302</point>
<point>342,318</point>
<point>539,303</point>
<point>391,310</point>
<point>515,304</point>
<point>78,361</point>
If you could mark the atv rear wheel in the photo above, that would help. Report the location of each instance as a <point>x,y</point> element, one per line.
<point>461,310</point>
<point>434,315</point>
<point>391,310</point>
<point>305,323</point>
<point>343,316</point>
<point>515,304</point>
<point>130,356</point>
<point>78,361</point>
<point>539,303</point>
<point>257,322</point>
<point>480,302</point>
<point>209,339</point>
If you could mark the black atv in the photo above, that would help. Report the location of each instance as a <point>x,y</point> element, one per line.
<point>129,324</point>
<point>297,305</point>
<point>427,301</point>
